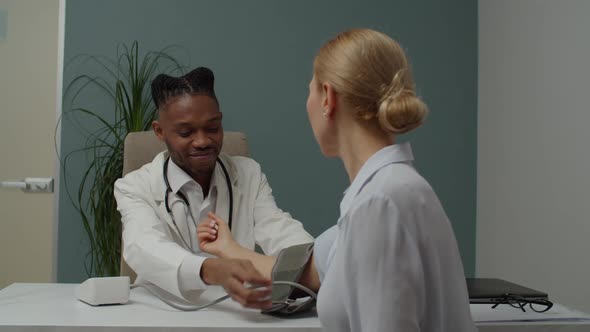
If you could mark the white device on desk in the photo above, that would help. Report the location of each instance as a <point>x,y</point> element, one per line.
<point>103,291</point>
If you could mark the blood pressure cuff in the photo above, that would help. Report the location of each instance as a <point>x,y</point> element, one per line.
<point>289,266</point>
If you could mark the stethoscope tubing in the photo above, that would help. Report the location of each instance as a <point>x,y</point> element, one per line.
<point>186,202</point>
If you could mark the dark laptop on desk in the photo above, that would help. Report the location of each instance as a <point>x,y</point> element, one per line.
<point>486,290</point>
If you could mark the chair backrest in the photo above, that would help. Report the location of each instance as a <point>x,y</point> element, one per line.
<point>141,147</point>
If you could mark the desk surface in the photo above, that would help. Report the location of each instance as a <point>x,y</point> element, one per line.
<point>56,305</point>
<point>44,307</point>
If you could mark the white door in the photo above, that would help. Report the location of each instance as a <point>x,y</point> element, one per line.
<point>29,75</point>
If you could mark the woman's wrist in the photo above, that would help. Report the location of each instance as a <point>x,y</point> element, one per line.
<point>232,251</point>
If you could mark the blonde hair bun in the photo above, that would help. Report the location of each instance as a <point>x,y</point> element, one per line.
<point>401,112</point>
<point>371,72</point>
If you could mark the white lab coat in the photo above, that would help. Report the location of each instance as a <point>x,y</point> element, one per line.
<point>391,263</point>
<point>152,245</point>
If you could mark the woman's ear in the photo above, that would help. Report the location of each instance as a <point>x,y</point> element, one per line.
<point>329,100</point>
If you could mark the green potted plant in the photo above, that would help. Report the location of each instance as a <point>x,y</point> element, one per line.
<point>126,84</point>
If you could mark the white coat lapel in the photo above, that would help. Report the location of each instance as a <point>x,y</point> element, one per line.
<point>168,219</point>
<point>159,194</point>
<point>222,204</point>
<point>237,202</point>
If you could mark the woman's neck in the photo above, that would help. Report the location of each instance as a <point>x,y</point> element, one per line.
<point>357,143</point>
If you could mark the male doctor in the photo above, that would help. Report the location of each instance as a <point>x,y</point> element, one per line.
<point>162,203</point>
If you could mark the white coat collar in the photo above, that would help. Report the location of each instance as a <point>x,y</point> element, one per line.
<point>157,166</point>
<point>396,153</point>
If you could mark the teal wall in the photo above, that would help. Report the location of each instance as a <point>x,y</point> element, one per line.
<point>261,53</point>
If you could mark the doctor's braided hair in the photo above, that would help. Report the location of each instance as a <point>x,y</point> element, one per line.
<point>199,81</point>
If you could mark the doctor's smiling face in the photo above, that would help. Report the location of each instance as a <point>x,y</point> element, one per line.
<point>189,121</point>
<point>190,125</point>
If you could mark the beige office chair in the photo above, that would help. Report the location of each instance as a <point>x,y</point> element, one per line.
<point>141,148</point>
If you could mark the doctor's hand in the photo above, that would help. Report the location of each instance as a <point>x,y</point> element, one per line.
<point>215,237</point>
<point>232,274</point>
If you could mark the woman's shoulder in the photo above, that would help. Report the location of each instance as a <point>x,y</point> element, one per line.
<point>398,181</point>
<point>396,189</point>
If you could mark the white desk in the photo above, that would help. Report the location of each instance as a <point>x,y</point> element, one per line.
<point>509,319</point>
<point>53,307</point>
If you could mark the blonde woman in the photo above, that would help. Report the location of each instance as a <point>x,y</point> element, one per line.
<point>391,262</point>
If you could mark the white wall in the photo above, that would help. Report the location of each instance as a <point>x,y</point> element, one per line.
<point>533,206</point>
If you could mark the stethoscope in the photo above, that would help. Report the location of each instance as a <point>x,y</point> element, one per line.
<point>185,200</point>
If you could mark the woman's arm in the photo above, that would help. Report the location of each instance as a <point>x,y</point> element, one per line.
<point>215,238</point>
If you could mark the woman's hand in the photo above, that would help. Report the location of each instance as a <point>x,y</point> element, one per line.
<point>215,237</point>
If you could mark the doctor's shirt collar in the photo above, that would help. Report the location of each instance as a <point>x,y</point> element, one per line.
<point>178,178</point>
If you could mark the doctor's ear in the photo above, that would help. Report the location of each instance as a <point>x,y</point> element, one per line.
<point>329,100</point>
<point>158,129</point>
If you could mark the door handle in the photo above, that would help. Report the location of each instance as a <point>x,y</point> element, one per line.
<point>30,185</point>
